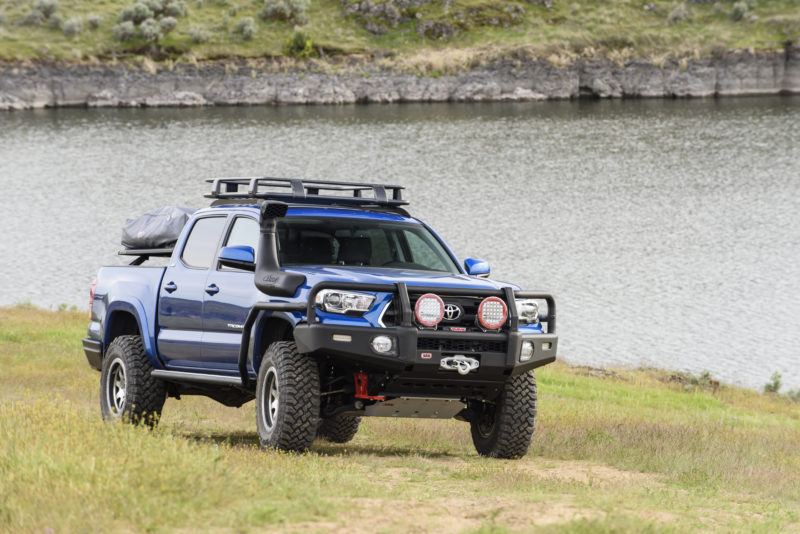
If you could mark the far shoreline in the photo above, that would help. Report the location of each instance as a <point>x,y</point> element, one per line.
<point>276,81</point>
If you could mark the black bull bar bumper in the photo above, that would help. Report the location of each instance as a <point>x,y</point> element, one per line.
<point>353,343</point>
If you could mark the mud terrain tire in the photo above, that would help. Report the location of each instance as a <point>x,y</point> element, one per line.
<point>287,398</point>
<point>127,391</point>
<point>505,429</point>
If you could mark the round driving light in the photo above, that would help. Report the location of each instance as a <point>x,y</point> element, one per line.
<point>492,313</point>
<point>429,309</point>
<point>382,344</point>
<point>527,351</point>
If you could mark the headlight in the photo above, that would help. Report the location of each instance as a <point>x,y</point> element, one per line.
<point>528,311</point>
<point>335,301</point>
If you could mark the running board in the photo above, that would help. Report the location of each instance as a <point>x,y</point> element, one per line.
<point>182,376</point>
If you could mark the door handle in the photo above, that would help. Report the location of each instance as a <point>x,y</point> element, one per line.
<point>212,289</point>
<point>170,287</point>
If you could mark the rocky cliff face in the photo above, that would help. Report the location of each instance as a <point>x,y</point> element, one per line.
<point>744,73</point>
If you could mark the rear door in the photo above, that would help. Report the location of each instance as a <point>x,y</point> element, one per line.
<point>180,310</point>
<point>233,293</point>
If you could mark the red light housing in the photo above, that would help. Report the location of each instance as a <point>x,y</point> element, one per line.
<point>429,309</point>
<point>492,313</point>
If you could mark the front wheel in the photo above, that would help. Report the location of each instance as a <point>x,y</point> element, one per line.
<point>127,391</point>
<point>287,398</point>
<point>504,429</point>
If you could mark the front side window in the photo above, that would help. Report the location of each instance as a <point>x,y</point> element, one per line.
<point>360,243</point>
<point>244,233</point>
<point>201,245</point>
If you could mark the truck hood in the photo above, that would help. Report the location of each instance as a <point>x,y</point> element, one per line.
<point>372,275</point>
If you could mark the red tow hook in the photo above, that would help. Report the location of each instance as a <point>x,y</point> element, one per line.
<point>361,387</point>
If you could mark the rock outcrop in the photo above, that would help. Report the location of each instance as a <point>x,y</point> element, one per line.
<point>218,83</point>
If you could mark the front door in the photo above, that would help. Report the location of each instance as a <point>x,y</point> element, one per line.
<point>234,293</point>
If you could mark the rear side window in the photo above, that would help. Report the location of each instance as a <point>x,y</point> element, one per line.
<point>201,244</point>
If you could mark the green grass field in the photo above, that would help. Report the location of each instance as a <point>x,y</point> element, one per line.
<point>563,32</point>
<point>622,451</point>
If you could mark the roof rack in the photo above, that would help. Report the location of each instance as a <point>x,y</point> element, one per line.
<point>308,191</point>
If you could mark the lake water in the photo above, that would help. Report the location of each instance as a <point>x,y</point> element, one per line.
<point>669,231</point>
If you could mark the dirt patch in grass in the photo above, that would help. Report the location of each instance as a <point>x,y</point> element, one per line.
<point>451,515</point>
<point>585,472</point>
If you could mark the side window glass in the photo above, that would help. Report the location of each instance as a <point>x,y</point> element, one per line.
<point>244,233</point>
<point>201,245</point>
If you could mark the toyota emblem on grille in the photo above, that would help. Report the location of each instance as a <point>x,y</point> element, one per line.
<point>452,312</point>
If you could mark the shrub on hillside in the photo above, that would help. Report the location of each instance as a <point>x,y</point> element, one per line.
<point>33,18</point>
<point>137,13</point>
<point>168,24</point>
<point>299,45</point>
<point>295,11</point>
<point>774,384</point>
<point>740,9</point>
<point>46,7</point>
<point>151,30</point>
<point>246,28</point>
<point>150,19</point>
<point>124,31</point>
<point>176,9</point>
<point>198,34</point>
<point>73,27</point>
<point>94,21</point>
<point>55,21</point>
<point>679,14</point>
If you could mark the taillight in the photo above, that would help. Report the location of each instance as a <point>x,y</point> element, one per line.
<point>91,296</point>
<point>492,313</point>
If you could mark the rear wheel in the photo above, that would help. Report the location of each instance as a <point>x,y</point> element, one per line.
<point>127,391</point>
<point>287,398</point>
<point>339,428</point>
<point>504,429</point>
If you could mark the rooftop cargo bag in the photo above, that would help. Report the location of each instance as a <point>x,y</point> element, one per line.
<point>159,228</point>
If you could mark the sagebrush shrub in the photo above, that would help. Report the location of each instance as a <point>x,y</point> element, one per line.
<point>55,21</point>
<point>73,27</point>
<point>198,34</point>
<point>33,18</point>
<point>94,21</point>
<point>124,31</point>
<point>246,28</point>
<point>151,30</point>
<point>137,13</point>
<point>46,7</point>
<point>168,24</point>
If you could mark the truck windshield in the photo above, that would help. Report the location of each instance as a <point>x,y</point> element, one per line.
<point>360,243</point>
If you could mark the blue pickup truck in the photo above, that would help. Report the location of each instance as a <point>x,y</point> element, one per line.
<point>324,302</point>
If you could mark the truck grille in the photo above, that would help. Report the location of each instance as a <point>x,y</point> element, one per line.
<point>460,345</point>
<point>467,305</point>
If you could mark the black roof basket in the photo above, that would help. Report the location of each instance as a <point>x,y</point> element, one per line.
<point>319,192</point>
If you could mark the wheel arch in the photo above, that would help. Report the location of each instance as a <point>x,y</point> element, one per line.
<point>123,319</point>
<point>269,329</point>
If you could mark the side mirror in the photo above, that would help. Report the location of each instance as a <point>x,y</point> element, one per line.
<point>477,268</point>
<point>238,258</point>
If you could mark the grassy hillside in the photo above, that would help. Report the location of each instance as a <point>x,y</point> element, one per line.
<point>458,32</point>
<point>624,451</point>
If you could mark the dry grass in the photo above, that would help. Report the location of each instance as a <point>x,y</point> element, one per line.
<point>622,451</point>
